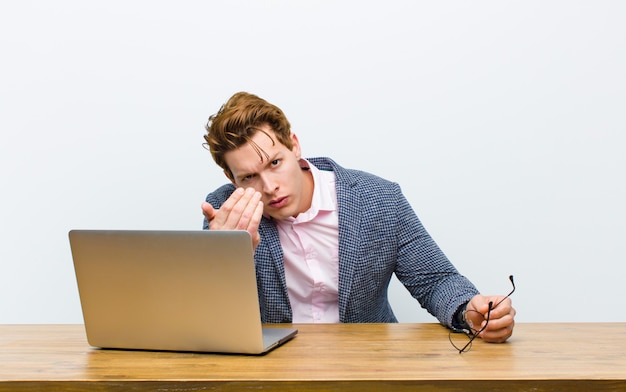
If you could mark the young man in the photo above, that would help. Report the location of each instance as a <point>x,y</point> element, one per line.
<point>327,239</point>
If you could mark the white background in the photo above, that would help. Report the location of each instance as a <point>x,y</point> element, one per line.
<point>504,122</point>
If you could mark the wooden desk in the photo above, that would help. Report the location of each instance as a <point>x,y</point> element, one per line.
<point>351,357</point>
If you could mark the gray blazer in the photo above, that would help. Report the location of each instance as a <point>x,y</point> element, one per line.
<point>379,234</point>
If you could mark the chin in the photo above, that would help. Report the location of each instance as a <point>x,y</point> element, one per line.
<point>283,213</point>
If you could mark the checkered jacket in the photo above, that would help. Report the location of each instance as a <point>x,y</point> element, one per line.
<point>379,234</point>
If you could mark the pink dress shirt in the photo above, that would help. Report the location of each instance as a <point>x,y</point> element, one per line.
<point>310,245</point>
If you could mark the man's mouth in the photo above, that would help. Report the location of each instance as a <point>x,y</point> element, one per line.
<point>278,203</point>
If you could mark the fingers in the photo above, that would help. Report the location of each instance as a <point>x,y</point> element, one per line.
<point>499,305</point>
<point>257,214</point>
<point>501,318</point>
<point>500,329</point>
<point>243,210</point>
<point>208,211</point>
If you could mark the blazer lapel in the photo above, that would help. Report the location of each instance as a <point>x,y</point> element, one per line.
<point>349,239</point>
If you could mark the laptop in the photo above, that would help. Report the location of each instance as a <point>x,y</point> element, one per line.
<point>171,291</point>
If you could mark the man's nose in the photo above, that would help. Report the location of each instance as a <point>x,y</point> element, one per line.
<point>268,184</point>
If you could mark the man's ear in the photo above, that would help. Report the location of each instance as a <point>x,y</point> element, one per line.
<point>296,146</point>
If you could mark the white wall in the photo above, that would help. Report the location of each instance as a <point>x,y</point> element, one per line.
<point>504,122</point>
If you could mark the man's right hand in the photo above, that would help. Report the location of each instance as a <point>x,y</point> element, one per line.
<point>242,211</point>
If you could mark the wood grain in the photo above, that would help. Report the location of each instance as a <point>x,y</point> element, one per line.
<point>540,356</point>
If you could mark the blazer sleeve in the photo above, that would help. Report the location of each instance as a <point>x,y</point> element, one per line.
<point>424,269</point>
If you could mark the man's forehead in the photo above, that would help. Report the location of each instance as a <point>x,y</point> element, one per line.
<point>263,143</point>
<point>264,135</point>
<point>255,153</point>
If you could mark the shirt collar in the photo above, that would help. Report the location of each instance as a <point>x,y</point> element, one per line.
<point>324,194</point>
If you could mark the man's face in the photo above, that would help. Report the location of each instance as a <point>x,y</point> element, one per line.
<point>286,190</point>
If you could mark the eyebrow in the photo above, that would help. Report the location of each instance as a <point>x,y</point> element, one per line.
<point>269,159</point>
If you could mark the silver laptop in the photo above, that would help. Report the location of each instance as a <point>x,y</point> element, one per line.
<point>171,290</point>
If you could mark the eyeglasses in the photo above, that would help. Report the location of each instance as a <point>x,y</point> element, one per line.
<point>472,334</point>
